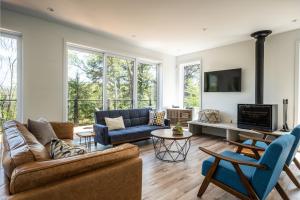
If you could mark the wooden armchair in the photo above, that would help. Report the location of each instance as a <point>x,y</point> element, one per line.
<point>263,144</point>
<point>245,177</point>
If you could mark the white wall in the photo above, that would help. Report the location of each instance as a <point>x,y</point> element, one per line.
<point>280,53</point>
<point>43,61</point>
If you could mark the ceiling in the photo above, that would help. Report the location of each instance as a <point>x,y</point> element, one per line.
<point>174,27</point>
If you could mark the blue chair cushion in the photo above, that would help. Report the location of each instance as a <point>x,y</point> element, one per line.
<point>227,174</point>
<point>132,133</point>
<point>258,143</point>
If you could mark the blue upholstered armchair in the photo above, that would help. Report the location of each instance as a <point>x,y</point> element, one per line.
<point>263,144</point>
<point>245,177</point>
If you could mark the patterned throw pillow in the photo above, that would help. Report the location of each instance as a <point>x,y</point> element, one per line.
<point>60,149</point>
<point>157,118</point>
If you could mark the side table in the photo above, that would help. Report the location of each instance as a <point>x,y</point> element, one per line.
<point>87,136</point>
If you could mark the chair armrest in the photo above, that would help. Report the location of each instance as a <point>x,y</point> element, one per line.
<point>63,130</point>
<point>255,139</point>
<point>101,134</point>
<point>167,122</point>
<point>234,161</point>
<point>35,174</point>
<point>246,146</point>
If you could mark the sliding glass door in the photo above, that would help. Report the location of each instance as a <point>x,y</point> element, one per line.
<point>85,85</point>
<point>101,81</point>
<point>119,86</point>
<point>147,90</point>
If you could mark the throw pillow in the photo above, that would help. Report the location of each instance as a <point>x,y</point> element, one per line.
<point>114,123</point>
<point>42,130</point>
<point>157,118</point>
<point>61,149</point>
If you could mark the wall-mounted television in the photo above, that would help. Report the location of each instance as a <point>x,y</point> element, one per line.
<point>223,81</point>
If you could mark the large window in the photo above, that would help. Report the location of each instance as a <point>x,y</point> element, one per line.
<point>85,85</point>
<point>9,72</point>
<point>119,83</point>
<point>101,81</point>
<point>192,86</point>
<point>147,85</point>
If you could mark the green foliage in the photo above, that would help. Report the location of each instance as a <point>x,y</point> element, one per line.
<point>192,83</point>
<point>119,83</point>
<point>86,85</point>
<point>147,85</point>
<point>8,79</point>
<point>85,88</point>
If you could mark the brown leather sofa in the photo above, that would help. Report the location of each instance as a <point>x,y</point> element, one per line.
<point>29,173</point>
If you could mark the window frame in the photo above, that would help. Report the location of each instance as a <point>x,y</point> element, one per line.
<point>19,38</point>
<point>105,54</point>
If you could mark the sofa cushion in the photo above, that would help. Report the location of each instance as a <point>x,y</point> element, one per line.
<point>156,118</point>
<point>61,149</point>
<point>227,174</point>
<point>132,133</point>
<point>39,151</point>
<point>139,116</point>
<point>42,130</point>
<point>16,150</point>
<point>63,130</point>
<point>131,117</point>
<point>114,123</point>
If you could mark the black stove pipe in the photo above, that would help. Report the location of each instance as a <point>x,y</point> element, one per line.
<point>259,64</point>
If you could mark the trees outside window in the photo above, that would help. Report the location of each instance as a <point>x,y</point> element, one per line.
<point>85,86</point>
<point>8,77</point>
<point>147,85</point>
<point>192,86</point>
<point>119,85</point>
<point>100,81</point>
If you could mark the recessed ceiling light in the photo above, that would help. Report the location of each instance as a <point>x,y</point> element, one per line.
<point>204,29</point>
<point>133,35</point>
<point>50,9</point>
<point>294,20</point>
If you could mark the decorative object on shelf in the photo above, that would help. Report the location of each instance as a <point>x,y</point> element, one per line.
<point>209,116</point>
<point>177,130</point>
<point>285,127</point>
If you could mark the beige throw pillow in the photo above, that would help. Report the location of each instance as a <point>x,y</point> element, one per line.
<point>114,123</point>
<point>42,130</point>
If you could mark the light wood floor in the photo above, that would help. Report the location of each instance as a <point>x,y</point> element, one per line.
<point>170,181</point>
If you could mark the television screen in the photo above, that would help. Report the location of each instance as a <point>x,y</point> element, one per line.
<point>223,81</point>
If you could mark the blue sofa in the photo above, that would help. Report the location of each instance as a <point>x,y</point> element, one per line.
<point>135,121</point>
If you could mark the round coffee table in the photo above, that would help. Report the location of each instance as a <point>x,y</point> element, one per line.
<point>169,147</point>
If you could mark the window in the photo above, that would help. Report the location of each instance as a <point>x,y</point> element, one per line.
<point>147,85</point>
<point>9,77</point>
<point>97,80</point>
<point>85,85</point>
<point>119,83</point>
<point>192,86</point>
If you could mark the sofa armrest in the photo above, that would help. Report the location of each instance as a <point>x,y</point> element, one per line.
<point>101,133</point>
<point>35,174</point>
<point>167,122</point>
<point>63,130</point>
